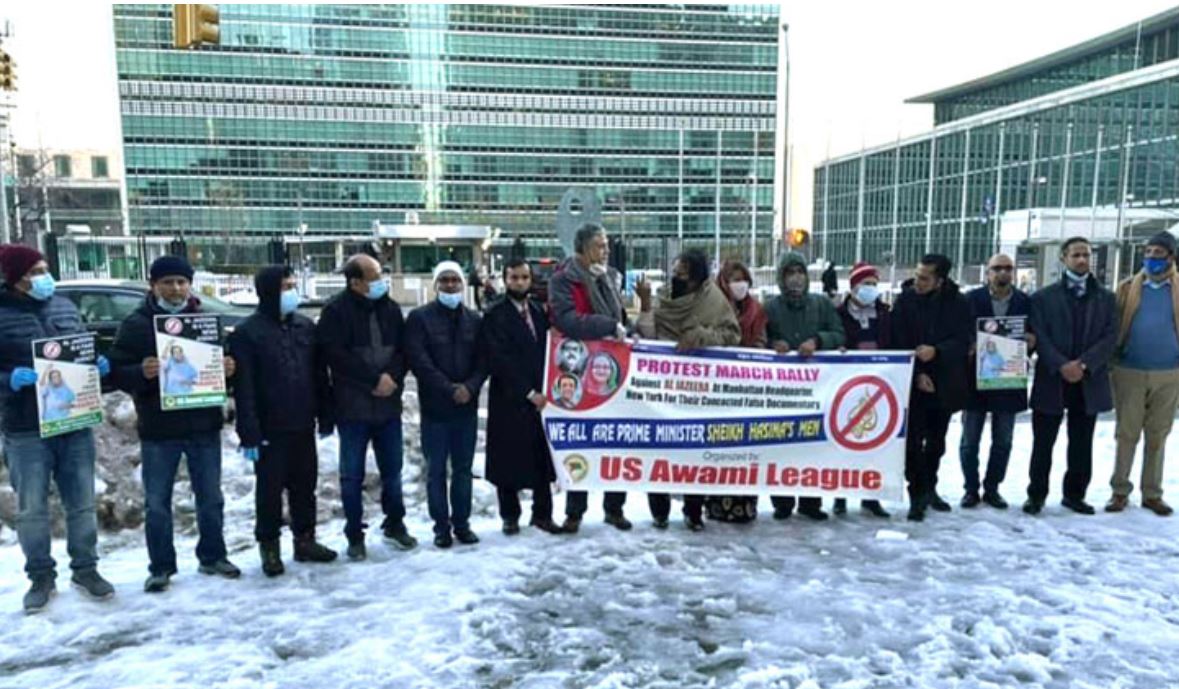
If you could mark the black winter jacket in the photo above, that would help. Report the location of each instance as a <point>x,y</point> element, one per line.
<point>281,383</point>
<point>136,341</point>
<point>356,362</point>
<point>22,320</point>
<point>943,321</point>
<point>442,345</point>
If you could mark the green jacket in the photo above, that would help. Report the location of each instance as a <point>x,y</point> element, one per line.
<point>795,323</point>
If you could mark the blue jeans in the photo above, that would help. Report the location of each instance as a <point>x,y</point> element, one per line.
<point>69,460</point>
<point>1002,429</point>
<point>161,459</point>
<point>453,439</point>
<point>387,446</point>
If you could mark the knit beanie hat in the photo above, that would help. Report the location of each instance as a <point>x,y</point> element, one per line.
<point>16,260</point>
<point>164,266</point>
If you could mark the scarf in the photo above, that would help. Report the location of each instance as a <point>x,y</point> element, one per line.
<point>862,314</point>
<point>603,293</point>
<point>707,307</point>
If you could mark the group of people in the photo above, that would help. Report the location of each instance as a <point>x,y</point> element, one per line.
<point>293,378</point>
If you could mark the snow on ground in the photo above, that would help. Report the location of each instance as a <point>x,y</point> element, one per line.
<point>972,599</point>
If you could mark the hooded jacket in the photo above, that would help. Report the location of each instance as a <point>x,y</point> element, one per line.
<point>794,321</point>
<point>281,383</point>
<point>136,341</point>
<point>22,320</point>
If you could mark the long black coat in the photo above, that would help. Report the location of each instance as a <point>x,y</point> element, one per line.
<point>517,453</point>
<point>942,321</point>
<point>1011,401</point>
<point>1052,321</point>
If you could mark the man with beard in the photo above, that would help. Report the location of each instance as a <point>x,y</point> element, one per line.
<point>512,338</point>
<point>585,304</point>
<point>696,314</point>
<point>804,323</point>
<point>998,297</point>
<point>933,319</point>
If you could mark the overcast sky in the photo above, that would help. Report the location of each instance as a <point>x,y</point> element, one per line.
<point>853,63</point>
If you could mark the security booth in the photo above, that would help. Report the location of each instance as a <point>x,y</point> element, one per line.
<point>416,249</point>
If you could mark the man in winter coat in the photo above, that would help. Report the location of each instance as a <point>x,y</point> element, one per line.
<point>1075,324</point>
<point>281,389</point>
<point>513,341</point>
<point>29,310</point>
<point>166,435</point>
<point>361,334</point>
<point>1146,374</point>
<point>801,322</point>
<point>585,303</point>
<point>999,297</point>
<point>866,322</point>
<point>932,319</point>
<point>695,314</point>
<point>441,341</point>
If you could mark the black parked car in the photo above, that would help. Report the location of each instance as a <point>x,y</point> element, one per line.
<point>103,304</point>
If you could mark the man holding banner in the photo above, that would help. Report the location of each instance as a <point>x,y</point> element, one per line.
<point>694,315</point>
<point>996,302</point>
<point>29,310</point>
<point>585,304</point>
<point>167,433</point>
<point>804,323</point>
<point>932,319</point>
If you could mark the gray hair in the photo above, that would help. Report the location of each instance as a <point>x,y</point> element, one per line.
<point>584,235</point>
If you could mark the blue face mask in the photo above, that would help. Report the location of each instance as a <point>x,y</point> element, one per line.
<point>42,287</point>
<point>867,294</point>
<point>378,288</point>
<point>168,306</point>
<point>450,300</point>
<point>1155,266</point>
<point>289,301</point>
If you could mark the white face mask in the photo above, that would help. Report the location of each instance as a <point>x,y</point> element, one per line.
<point>740,289</point>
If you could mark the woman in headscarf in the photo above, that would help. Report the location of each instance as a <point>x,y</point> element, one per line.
<point>736,282</point>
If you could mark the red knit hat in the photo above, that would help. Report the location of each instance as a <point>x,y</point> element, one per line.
<point>860,272</point>
<point>16,260</point>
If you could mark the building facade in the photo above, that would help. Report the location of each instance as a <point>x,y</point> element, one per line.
<point>1079,142</point>
<point>332,117</point>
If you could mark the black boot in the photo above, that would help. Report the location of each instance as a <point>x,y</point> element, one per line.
<point>307,549</point>
<point>356,548</point>
<point>840,506</point>
<point>874,508</point>
<point>271,554</point>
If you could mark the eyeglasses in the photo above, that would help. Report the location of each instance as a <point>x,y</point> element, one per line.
<point>1002,269</point>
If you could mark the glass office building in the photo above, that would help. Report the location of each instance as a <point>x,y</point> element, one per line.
<point>336,116</point>
<point>1083,140</point>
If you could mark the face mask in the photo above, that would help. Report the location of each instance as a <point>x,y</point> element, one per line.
<point>597,269</point>
<point>795,284</point>
<point>1155,266</point>
<point>42,287</point>
<point>679,287</point>
<point>867,294</point>
<point>288,301</point>
<point>450,300</point>
<point>1076,277</point>
<point>740,289</point>
<point>518,296</point>
<point>168,306</point>
<point>378,288</point>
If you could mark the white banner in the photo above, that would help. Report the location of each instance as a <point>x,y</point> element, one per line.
<point>726,421</point>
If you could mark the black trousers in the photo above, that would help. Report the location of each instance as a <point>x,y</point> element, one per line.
<point>660,505</point>
<point>1045,428</point>
<point>578,502</point>
<point>925,444</point>
<point>786,502</point>
<point>542,502</point>
<point>288,461</point>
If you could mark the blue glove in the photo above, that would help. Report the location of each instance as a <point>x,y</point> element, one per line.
<point>22,376</point>
<point>250,453</point>
<point>104,366</point>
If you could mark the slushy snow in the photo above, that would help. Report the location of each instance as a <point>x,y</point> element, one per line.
<point>974,599</point>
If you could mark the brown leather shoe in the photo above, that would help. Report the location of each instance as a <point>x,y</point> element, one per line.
<point>1157,506</point>
<point>1117,503</point>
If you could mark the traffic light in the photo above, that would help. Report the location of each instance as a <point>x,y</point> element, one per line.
<point>797,237</point>
<point>193,25</point>
<point>7,72</point>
